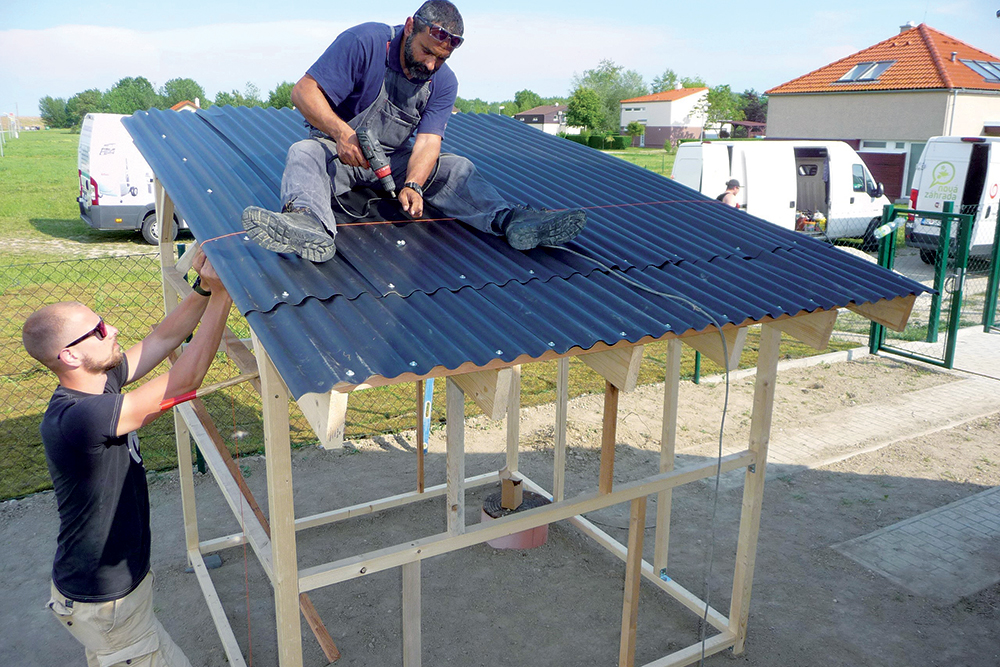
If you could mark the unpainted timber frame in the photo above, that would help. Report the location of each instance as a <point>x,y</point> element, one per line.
<point>496,389</point>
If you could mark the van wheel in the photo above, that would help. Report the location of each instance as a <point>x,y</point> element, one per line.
<point>151,230</point>
<point>868,241</point>
<point>928,256</point>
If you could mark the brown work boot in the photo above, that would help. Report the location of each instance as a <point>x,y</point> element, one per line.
<point>296,231</point>
<point>526,228</point>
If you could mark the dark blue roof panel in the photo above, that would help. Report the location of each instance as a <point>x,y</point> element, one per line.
<point>408,296</point>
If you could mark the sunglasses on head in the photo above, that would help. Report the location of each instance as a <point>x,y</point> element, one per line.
<point>440,34</point>
<point>100,332</point>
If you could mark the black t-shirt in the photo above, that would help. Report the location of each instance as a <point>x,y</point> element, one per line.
<point>100,486</point>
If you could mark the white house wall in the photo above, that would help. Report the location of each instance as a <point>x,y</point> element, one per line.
<point>678,113</point>
<point>870,115</point>
<point>972,110</point>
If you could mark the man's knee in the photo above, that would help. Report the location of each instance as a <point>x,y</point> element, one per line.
<point>453,169</point>
<point>307,151</point>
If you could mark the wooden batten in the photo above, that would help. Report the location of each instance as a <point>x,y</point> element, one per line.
<point>489,389</point>
<point>165,221</point>
<point>892,313</point>
<point>619,366</point>
<point>813,329</point>
<point>327,415</point>
<point>710,345</point>
<point>185,261</point>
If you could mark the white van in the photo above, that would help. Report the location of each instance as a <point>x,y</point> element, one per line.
<point>116,183</point>
<point>962,170</point>
<point>788,182</point>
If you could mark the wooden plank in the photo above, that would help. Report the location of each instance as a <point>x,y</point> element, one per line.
<point>455,456</point>
<point>668,447</point>
<point>693,653</point>
<point>753,488</point>
<point>327,415</point>
<point>562,405</point>
<point>184,262</point>
<point>488,389</point>
<point>185,471</point>
<point>608,436</point>
<point>215,609</point>
<point>165,220</point>
<point>421,423</point>
<point>710,344</point>
<point>240,354</point>
<point>411,614</point>
<point>514,418</point>
<point>813,329</point>
<point>394,556</point>
<point>893,313</point>
<point>619,366</point>
<point>633,579</point>
<point>278,457</point>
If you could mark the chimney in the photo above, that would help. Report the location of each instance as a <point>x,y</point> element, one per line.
<point>909,25</point>
<point>953,54</point>
<point>678,86</point>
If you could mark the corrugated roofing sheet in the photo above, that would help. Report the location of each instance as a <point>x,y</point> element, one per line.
<point>409,296</point>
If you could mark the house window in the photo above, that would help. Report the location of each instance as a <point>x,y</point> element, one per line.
<point>873,144</point>
<point>863,72</point>
<point>988,70</point>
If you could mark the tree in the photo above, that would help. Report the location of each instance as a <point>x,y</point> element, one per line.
<point>612,83</point>
<point>249,98</point>
<point>281,96</point>
<point>722,105</point>
<point>635,129</point>
<point>666,81</point>
<point>754,106</point>
<point>585,109</point>
<point>89,101</point>
<point>179,90</point>
<point>53,112</point>
<point>132,94</point>
<point>692,82</point>
<point>527,99</point>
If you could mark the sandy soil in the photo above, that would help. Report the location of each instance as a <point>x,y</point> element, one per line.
<point>560,604</point>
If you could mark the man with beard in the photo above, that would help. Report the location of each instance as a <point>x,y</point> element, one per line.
<point>101,579</point>
<point>393,81</point>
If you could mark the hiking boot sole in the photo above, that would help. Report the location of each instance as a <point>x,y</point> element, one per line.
<point>528,235</point>
<point>270,231</point>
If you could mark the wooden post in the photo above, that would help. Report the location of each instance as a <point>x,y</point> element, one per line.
<point>165,222</point>
<point>455,409</point>
<point>562,404</point>
<point>668,445</point>
<point>420,436</point>
<point>185,469</point>
<point>411,614</point>
<point>753,488</point>
<point>514,418</point>
<point>608,435</point>
<point>633,577</point>
<point>278,456</point>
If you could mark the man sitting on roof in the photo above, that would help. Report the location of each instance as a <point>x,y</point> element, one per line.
<point>393,81</point>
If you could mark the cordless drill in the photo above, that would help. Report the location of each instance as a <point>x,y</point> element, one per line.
<point>377,160</point>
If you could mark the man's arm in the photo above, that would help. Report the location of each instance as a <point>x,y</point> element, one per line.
<point>308,98</point>
<point>426,150</point>
<point>142,405</point>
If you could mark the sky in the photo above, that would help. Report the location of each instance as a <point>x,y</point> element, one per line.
<point>62,47</point>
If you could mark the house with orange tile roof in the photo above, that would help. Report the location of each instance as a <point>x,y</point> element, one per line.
<point>888,99</point>
<point>549,118</point>
<point>668,116</point>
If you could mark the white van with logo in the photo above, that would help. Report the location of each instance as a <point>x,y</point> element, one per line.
<point>966,172</point>
<point>116,183</point>
<point>821,187</point>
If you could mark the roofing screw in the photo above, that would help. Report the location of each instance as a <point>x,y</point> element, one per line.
<point>209,191</point>
<point>163,136</point>
<point>413,364</point>
<point>184,159</point>
<point>552,343</point>
<point>349,373</point>
<point>499,352</point>
<point>284,294</point>
<point>391,286</point>
<point>246,238</point>
<point>462,276</point>
<point>531,271</point>
<point>621,333</point>
<point>400,243</point>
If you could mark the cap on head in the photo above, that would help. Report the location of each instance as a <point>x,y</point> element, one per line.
<point>732,183</point>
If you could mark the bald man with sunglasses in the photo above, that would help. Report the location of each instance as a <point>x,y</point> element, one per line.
<point>393,81</point>
<point>101,579</point>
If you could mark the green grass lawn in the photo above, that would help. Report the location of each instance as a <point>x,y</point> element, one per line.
<point>654,159</point>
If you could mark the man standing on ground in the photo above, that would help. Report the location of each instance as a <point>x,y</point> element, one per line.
<point>729,196</point>
<point>393,81</point>
<point>101,579</point>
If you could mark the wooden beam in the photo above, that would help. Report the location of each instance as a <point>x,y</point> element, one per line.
<point>668,447</point>
<point>183,264</point>
<point>813,329</point>
<point>327,415</point>
<point>619,366</point>
<point>165,221</point>
<point>488,389</point>
<point>514,418</point>
<point>562,404</point>
<point>609,434</point>
<point>753,486</point>
<point>215,609</point>
<point>710,344</point>
<point>455,457</point>
<point>185,470</point>
<point>421,422</point>
<point>411,614</point>
<point>893,313</point>
<point>633,578</point>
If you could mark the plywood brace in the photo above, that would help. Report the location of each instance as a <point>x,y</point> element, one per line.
<point>619,366</point>
<point>892,313</point>
<point>710,344</point>
<point>327,415</point>
<point>813,329</point>
<point>489,389</point>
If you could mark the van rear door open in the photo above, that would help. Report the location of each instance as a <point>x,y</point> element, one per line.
<point>770,187</point>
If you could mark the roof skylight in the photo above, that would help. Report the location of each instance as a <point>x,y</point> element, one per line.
<point>988,70</point>
<point>869,71</point>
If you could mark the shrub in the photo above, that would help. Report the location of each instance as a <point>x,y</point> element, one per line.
<point>596,141</point>
<point>621,143</point>
<point>576,138</point>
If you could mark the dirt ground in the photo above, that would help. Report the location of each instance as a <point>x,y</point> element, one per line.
<point>560,604</point>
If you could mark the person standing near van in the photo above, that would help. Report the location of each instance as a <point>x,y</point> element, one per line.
<point>393,81</point>
<point>102,584</point>
<point>729,196</point>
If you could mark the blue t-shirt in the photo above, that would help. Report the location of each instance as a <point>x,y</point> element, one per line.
<point>352,69</point>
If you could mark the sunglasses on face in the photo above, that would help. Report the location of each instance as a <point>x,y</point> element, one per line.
<point>100,332</point>
<point>442,35</point>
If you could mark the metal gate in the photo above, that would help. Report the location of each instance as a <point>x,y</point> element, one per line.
<point>965,287</point>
